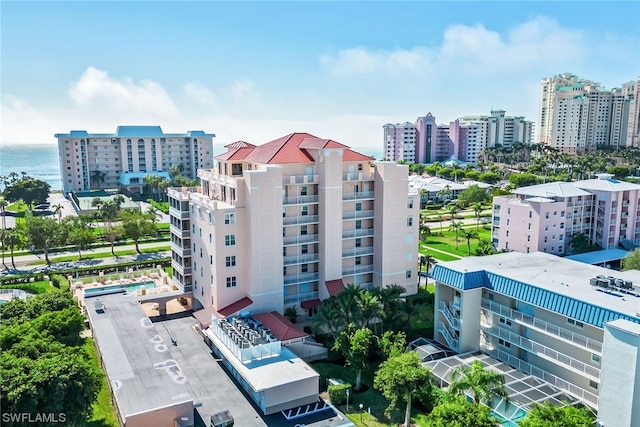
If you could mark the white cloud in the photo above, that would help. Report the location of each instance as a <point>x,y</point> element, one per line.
<point>361,60</point>
<point>199,93</point>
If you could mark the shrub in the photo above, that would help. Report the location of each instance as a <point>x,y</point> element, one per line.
<point>338,393</point>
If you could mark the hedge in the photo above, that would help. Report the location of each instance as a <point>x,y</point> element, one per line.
<point>338,393</point>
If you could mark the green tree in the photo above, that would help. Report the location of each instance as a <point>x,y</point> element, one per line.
<point>57,210</point>
<point>471,195</point>
<point>392,343</point>
<point>619,171</point>
<point>477,210</point>
<point>482,383</point>
<point>460,413</point>
<point>291,313</point>
<point>98,177</point>
<point>369,307</point>
<point>79,236</point>
<point>547,415</point>
<point>29,190</point>
<point>355,344</point>
<point>137,225</point>
<point>425,232</point>
<point>468,235</point>
<point>13,239</point>
<point>523,179</point>
<point>580,243</point>
<point>456,226</point>
<point>631,261</point>
<point>489,177</point>
<point>44,234</point>
<point>399,379</point>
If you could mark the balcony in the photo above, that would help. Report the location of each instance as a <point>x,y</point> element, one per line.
<point>361,195</point>
<point>543,351</point>
<point>300,239</point>
<point>300,219</point>
<point>358,176</point>
<point>179,232</point>
<point>357,269</point>
<point>363,232</point>
<point>301,278</point>
<point>299,179</point>
<point>178,213</point>
<point>300,259</point>
<point>291,299</point>
<point>183,252</point>
<point>527,368</point>
<point>357,215</point>
<point>182,193</point>
<point>453,320</point>
<point>448,337</point>
<point>299,200</point>
<point>361,251</point>
<point>544,327</point>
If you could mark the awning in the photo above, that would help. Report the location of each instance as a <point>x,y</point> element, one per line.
<point>306,305</point>
<point>204,316</point>
<point>279,326</point>
<point>334,286</point>
<point>236,306</point>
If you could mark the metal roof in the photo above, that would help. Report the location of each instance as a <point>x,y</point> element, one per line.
<point>600,257</point>
<point>546,281</point>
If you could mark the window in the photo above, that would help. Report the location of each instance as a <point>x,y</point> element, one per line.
<point>359,166</point>
<point>562,214</point>
<point>508,221</point>
<point>304,211</point>
<point>303,230</point>
<point>408,274</point>
<point>304,268</point>
<point>193,229</point>
<point>210,238</point>
<point>504,343</point>
<point>230,261</point>
<point>410,204</point>
<point>508,211</point>
<point>303,191</point>
<point>528,237</point>
<point>358,242</point>
<point>546,215</point>
<point>529,228</point>
<point>229,218</point>
<point>211,259</point>
<point>231,282</point>
<point>575,322</point>
<point>409,221</point>
<point>358,206</point>
<point>555,213</point>
<point>530,214</point>
<point>358,260</point>
<point>358,224</point>
<point>505,321</point>
<point>593,384</point>
<point>304,249</point>
<point>230,240</point>
<point>595,358</point>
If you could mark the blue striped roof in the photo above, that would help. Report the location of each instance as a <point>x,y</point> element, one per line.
<point>544,298</point>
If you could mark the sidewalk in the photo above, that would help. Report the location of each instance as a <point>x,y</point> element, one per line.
<point>23,261</point>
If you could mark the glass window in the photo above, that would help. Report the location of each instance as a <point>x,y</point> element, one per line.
<point>409,221</point>
<point>408,274</point>
<point>230,261</point>
<point>230,240</point>
<point>231,282</point>
<point>229,218</point>
<point>303,191</point>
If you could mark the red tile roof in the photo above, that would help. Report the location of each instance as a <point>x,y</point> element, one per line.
<point>235,307</point>
<point>334,286</point>
<point>204,316</point>
<point>280,326</point>
<point>291,148</point>
<point>306,305</point>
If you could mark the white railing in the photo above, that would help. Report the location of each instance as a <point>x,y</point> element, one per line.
<point>290,299</point>
<point>298,239</point>
<point>357,176</point>
<point>357,195</point>
<point>296,200</point>
<point>363,232</point>
<point>368,250</point>
<point>300,179</point>
<point>542,326</point>
<point>300,278</point>
<point>585,395</point>
<point>357,214</point>
<point>300,259</point>
<point>300,219</point>
<point>542,350</point>
<point>453,321</point>
<point>357,269</point>
<point>451,341</point>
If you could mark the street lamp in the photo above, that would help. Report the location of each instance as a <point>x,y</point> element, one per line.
<point>361,406</point>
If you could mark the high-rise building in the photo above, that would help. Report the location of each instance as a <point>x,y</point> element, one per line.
<point>123,159</point>
<point>578,115</point>
<point>400,142</point>
<point>631,91</point>
<point>291,222</point>
<point>544,217</point>
<point>571,326</point>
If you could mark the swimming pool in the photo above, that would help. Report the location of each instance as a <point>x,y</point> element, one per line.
<point>113,289</point>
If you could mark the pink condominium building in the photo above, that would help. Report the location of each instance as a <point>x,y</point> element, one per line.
<point>291,222</point>
<point>544,217</point>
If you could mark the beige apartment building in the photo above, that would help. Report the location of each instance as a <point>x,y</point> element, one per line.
<point>573,326</point>
<point>291,222</point>
<point>90,161</point>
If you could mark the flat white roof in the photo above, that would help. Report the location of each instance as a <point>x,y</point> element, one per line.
<point>268,372</point>
<point>555,274</point>
<point>552,189</point>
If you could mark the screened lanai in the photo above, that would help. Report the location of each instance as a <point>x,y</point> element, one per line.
<point>525,391</point>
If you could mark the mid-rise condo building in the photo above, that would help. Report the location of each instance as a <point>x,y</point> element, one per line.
<point>291,222</point>
<point>575,326</point>
<point>545,217</point>
<point>122,159</point>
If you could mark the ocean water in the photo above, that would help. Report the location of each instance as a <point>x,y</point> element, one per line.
<point>37,160</point>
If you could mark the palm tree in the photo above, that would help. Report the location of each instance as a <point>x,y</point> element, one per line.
<point>482,383</point>
<point>3,238</point>
<point>469,235</point>
<point>440,219</point>
<point>57,210</point>
<point>97,176</point>
<point>477,209</point>
<point>425,232</point>
<point>3,210</point>
<point>453,210</point>
<point>456,226</point>
<point>13,239</point>
<point>327,316</point>
<point>369,306</point>
<point>347,303</point>
<point>430,261</point>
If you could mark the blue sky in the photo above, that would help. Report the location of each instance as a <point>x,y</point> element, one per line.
<point>259,70</point>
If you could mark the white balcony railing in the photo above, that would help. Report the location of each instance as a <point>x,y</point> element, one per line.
<point>357,269</point>
<point>358,176</point>
<point>298,200</point>
<point>299,179</point>
<point>363,232</point>
<point>357,195</point>
<point>299,239</point>
<point>357,214</point>
<point>300,259</point>
<point>543,327</point>
<point>542,351</point>
<point>362,251</point>
<point>300,219</point>
<point>291,299</point>
<point>300,278</point>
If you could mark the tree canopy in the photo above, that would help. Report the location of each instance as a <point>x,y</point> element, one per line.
<point>355,345</point>
<point>482,383</point>
<point>632,260</point>
<point>29,190</point>
<point>471,195</point>
<point>461,413</point>
<point>548,415</point>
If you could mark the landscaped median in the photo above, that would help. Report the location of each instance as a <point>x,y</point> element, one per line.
<point>70,258</point>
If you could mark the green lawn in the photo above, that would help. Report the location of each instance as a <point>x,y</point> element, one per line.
<point>447,242</point>
<point>100,255</point>
<point>18,207</point>
<point>32,287</point>
<point>104,414</point>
